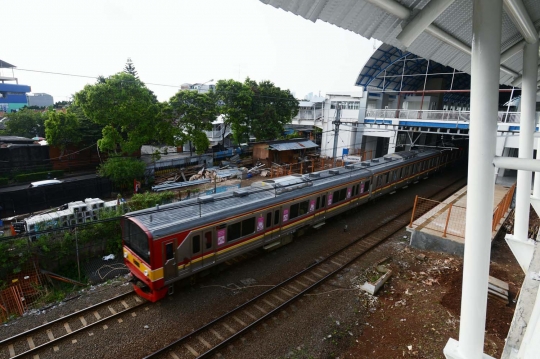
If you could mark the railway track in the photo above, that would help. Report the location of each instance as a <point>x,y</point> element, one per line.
<point>214,336</point>
<point>52,334</point>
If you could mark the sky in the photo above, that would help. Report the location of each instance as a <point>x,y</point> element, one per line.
<point>174,42</point>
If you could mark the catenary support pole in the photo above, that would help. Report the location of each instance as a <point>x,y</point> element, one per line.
<point>486,52</point>
<point>526,137</point>
<point>336,123</point>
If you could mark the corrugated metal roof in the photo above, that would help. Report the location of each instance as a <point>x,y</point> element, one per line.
<point>370,21</point>
<point>300,145</point>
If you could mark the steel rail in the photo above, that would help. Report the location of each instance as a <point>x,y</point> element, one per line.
<point>22,336</point>
<point>355,242</point>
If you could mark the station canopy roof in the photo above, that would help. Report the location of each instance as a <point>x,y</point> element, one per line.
<point>447,40</point>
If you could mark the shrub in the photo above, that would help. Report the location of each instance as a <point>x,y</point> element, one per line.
<point>38,176</point>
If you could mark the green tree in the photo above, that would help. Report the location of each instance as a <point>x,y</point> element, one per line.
<point>234,100</point>
<point>61,104</point>
<point>130,68</point>
<point>89,131</point>
<point>128,112</point>
<point>129,115</point>
<point>62,129</point>
<point>271,109</point>
<point>192,113</point>
<point>26,123</point>
<point>122,170</point>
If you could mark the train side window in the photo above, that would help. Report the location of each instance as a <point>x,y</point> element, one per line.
<point>269,219</point>
<point>196,241</point>
<point>323,202</point>
<point>335,197</point>
<point>233,231</point>
<point>276,217</point>
<point>343,194</point>
<point>318,203</point>
<point>366,186</point>
<point>208,240</point>
<point>248,226</point>
<point>304,207</point>
<point>293,213</point>
<point>394,175</point>
<point>169,254</point>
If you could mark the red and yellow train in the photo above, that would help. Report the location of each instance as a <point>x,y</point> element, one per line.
<point>164,244</point>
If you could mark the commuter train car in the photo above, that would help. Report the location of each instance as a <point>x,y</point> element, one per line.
<point>164,244</point>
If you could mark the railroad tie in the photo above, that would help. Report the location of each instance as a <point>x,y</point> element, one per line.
<point>239,321</point>
<point>30,342</point>
<point>259,308</point>
<point>250,315</point>
<point>269,303</point>
<point>226,326</point>
<point>50,335</point>
<point>204,342</point>
<point>191,350</point>
<point>216,334</point>
<point>67,327</point>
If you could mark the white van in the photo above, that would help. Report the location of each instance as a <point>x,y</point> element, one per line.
<point>44,183</point>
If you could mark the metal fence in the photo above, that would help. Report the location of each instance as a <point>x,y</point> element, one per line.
<point>449,218</point>
<point>444,218</point>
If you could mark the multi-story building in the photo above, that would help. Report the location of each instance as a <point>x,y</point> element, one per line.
<point>40,100</point>
<point>12,95</point>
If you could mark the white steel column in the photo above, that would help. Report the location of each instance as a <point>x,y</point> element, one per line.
<point>526,137</point>
<point>486,53</point>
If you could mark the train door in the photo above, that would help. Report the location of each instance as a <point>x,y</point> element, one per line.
<point>202,249</point>
<point>272,227</point>
<point>170,269</point>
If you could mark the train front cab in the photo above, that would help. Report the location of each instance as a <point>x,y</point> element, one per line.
<point>136,249</point>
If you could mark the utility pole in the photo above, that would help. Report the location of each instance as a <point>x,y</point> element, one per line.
<point>336,123</point>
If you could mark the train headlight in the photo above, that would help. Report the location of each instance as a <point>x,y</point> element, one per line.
<point>146,272</point>
<point>126,254</point>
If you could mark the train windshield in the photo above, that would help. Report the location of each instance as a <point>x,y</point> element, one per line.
<point>136,240</point>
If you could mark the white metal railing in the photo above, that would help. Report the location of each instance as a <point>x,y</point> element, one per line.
<point>459,116</point>
<point>308,115</point>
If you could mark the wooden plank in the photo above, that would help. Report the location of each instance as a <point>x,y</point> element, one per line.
<point>498,283</point>
<point>493,288</point>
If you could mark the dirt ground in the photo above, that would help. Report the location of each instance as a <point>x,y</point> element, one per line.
<point>418,309</point>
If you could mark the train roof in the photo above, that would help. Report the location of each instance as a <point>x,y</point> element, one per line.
<point>192,213</point>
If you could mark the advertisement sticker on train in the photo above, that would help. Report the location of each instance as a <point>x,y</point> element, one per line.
<point>260,224</point>
<point>221,236</point>
<point>349,190</point>
<point>285,215</point>
<point>312,205</point>
<point>362,187</point>
<point>330,195</point>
